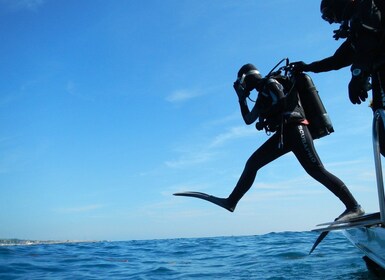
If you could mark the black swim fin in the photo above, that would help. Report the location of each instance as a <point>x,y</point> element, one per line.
<point>319,240</point>
<point>222,202</point>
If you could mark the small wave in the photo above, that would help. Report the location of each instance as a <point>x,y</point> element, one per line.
<point>270,256</point>
<point>22,242</point>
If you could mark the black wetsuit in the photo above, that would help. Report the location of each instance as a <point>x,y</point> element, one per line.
<point>285,115</point>
<point>364,47</point>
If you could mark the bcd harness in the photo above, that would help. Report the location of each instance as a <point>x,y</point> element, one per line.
<point>314,113</point>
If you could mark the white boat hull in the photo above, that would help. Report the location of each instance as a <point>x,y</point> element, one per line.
<point>370,240</point>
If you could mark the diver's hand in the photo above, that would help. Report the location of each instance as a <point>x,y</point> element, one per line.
<point>299,66</point>
<point>342,32</point>
<point>241,91</point>
<point>358,86</point>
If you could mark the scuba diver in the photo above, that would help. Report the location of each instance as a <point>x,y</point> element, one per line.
<point>362,25</point>
<point>279,111</point>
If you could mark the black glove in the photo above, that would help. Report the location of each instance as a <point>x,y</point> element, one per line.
<point>300,66</point>
<point>358,86</point>
<point>241,91</point>
<point>342,32</point>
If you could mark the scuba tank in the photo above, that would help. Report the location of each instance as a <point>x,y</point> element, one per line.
<point>320,124</point>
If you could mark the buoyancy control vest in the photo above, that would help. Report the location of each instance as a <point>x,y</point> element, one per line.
<point>320,124</point>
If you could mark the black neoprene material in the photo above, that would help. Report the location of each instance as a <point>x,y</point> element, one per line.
<point>297,139</point>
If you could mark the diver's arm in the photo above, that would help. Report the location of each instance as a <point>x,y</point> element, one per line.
<point>248,116</point>
<point>343,57</point>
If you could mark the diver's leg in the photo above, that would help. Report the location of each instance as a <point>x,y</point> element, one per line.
<point>304,150</point>
<point>265,154</point>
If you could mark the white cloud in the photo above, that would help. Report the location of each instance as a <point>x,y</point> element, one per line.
<point>231,134</point>
<point>182,95</point>
<point>23,4</point>
<point>86,208</point>
<point>190,159</point>
<point>73,89</point>
<point>198,155</point>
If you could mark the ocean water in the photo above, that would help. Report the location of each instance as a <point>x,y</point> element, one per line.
<point>270,256</point>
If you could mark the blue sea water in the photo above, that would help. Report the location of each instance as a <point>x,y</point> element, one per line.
<point>271,256</point>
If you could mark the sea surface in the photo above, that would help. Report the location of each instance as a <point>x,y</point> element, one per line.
<point>282,255</point>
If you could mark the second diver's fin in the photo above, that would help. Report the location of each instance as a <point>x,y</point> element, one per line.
<point>319,240</point>
<point>222,202</point>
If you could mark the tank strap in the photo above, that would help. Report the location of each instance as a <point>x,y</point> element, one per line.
<point>280,143</point>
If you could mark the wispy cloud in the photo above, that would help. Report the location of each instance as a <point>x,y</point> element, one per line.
<point>190,159</point>
<point>231,134</point>
<point>73,89</point>
<point>85,208</point>
<point>207,151</point>
<point>225,120</point>
<point>182,95</point>
<point>23,4</point>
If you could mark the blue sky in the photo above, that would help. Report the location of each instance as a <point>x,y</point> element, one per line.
<point>109,107</point>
